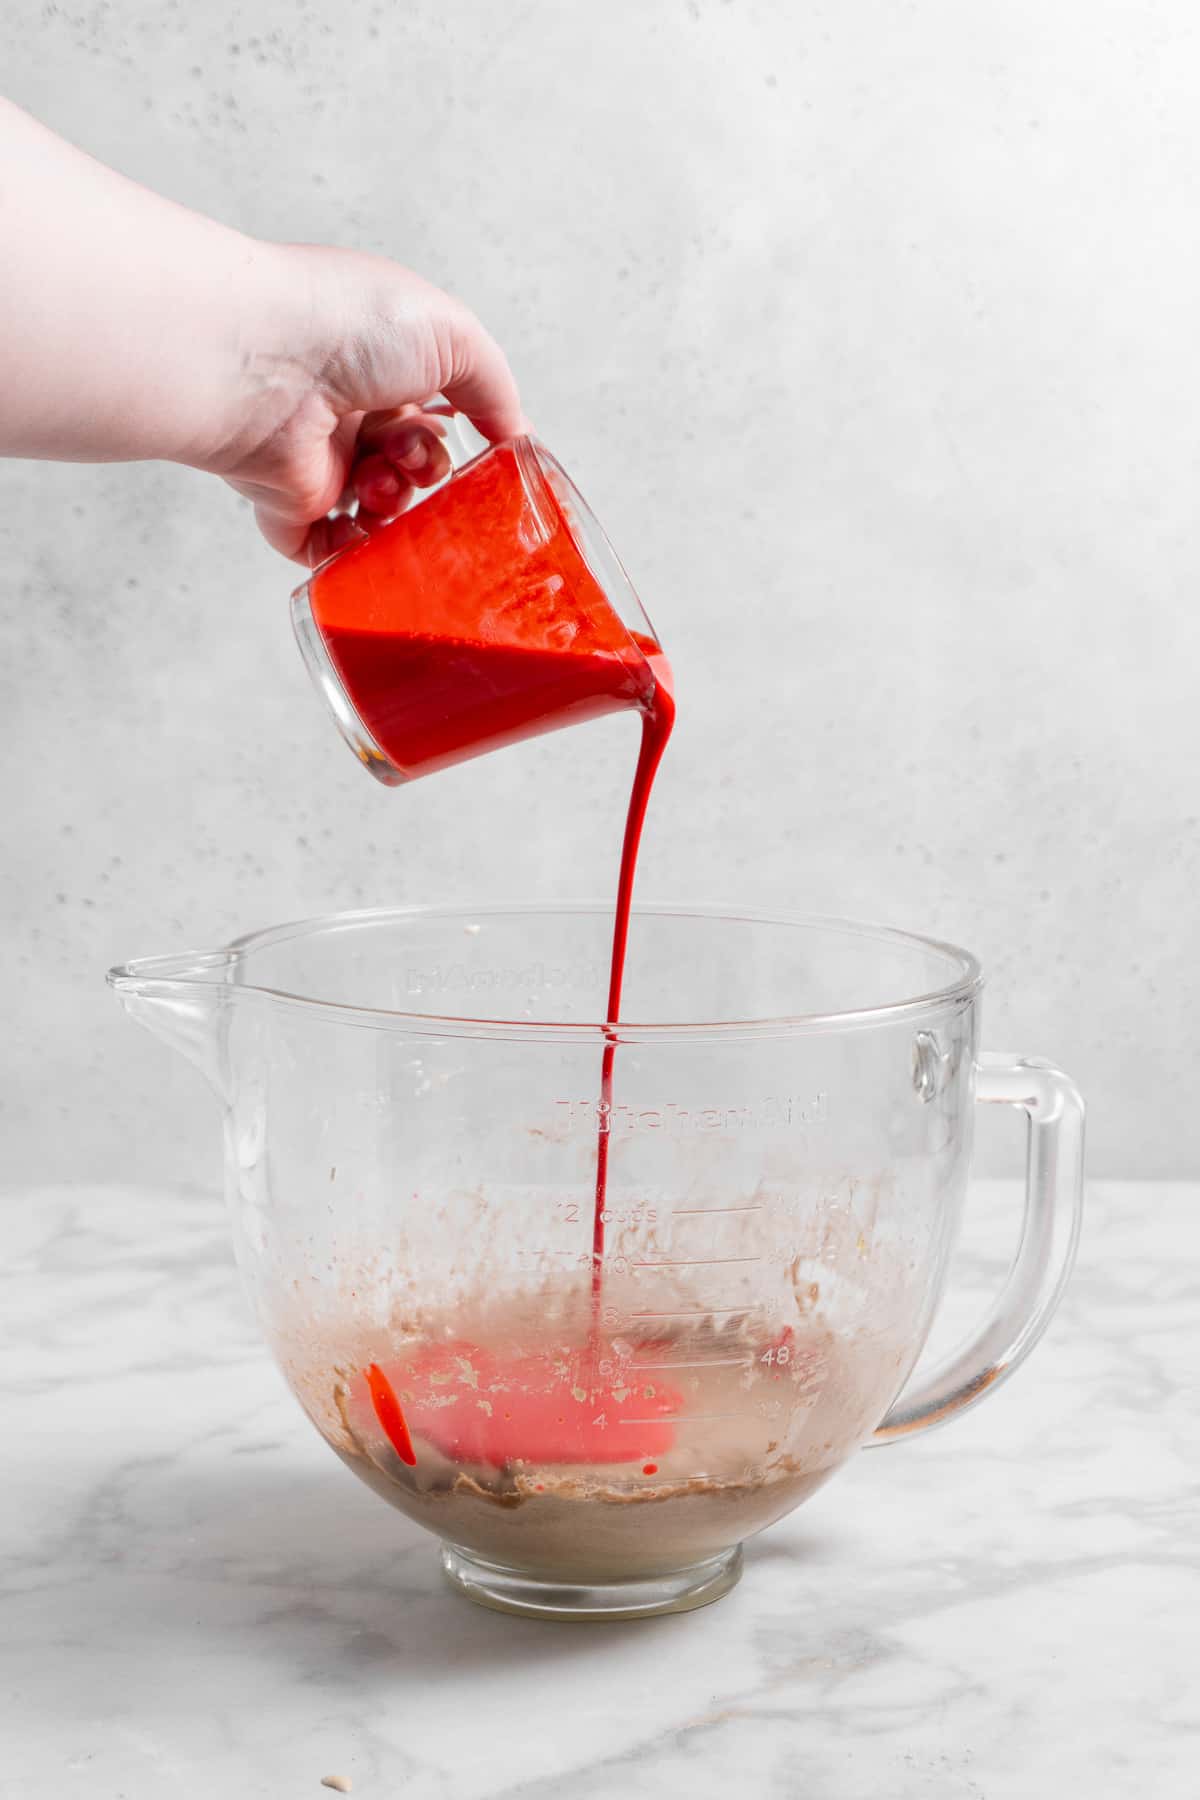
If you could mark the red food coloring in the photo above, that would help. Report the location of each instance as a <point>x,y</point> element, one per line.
<point>658,716</point>
<point>467,624</point>
<point>554,1410</point>
<point>649,1468</point>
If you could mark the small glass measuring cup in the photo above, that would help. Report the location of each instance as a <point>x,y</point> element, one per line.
<point>411,1133</point>
<point>493,609</point>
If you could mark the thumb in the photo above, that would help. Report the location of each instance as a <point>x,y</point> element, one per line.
<point>404,340</point>
<point>475,376</point>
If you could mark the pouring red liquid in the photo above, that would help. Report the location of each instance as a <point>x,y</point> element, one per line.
<point>474,621</point>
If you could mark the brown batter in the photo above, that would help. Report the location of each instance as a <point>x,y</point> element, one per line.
<point>754,1436</point>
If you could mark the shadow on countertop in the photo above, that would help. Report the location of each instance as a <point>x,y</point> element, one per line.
<point>302,1574</point>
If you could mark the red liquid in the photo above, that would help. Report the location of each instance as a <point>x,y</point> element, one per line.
<point>470,623</point>
<point>473,621</point>
<point>531,1413</point>
<point>657,719</point>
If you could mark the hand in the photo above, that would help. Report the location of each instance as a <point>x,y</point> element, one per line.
<point>131,328</point>
<point>334,409</point>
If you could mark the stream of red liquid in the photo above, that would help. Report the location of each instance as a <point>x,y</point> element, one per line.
<point>658,717</point>
<point>455,630</point>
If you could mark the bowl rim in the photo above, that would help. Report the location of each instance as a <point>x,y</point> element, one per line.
<point>222,970</point>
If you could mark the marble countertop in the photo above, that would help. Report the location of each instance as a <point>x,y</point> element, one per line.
<point>195,1598</point>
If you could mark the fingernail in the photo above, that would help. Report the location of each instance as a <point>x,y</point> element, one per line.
<point>411,450</point>
<point>385,481</point>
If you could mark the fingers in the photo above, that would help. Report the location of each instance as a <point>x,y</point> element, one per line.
<point>398,450</point>
<point>306,544</point>
<point>286,534</point>
<point>304,540</point>
<point>327,537</point>
<point>408,439</point>
<point>293,483</point>
<point>379,487</point>
<point>416,455</point>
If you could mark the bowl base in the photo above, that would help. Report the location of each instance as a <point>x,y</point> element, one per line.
<point>540,1597</point>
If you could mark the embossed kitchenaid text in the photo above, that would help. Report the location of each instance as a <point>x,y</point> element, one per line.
<point>458,978</point>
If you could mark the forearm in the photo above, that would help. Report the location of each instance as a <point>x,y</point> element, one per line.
<point>128,325</point>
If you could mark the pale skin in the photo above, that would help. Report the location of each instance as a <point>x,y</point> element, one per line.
<point>133,329</point>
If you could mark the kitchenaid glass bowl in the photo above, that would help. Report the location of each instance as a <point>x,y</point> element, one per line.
<point>411,1114</point>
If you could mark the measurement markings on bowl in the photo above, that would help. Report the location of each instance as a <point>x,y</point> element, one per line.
<point>698,1312</point>
<point>705,1212</point>
<point>694,1262</point>
<point>705,1362</point>
<point>685,1418</point>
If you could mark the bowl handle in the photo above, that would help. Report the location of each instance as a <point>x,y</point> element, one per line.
<point>1050,1231</point>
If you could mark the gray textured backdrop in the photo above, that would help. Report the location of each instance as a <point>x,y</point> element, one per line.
<point>870,331</point>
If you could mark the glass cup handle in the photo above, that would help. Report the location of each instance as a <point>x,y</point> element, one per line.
<point>1050,1231</point>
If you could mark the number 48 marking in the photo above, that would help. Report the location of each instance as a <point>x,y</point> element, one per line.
<point>781,1356</point>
